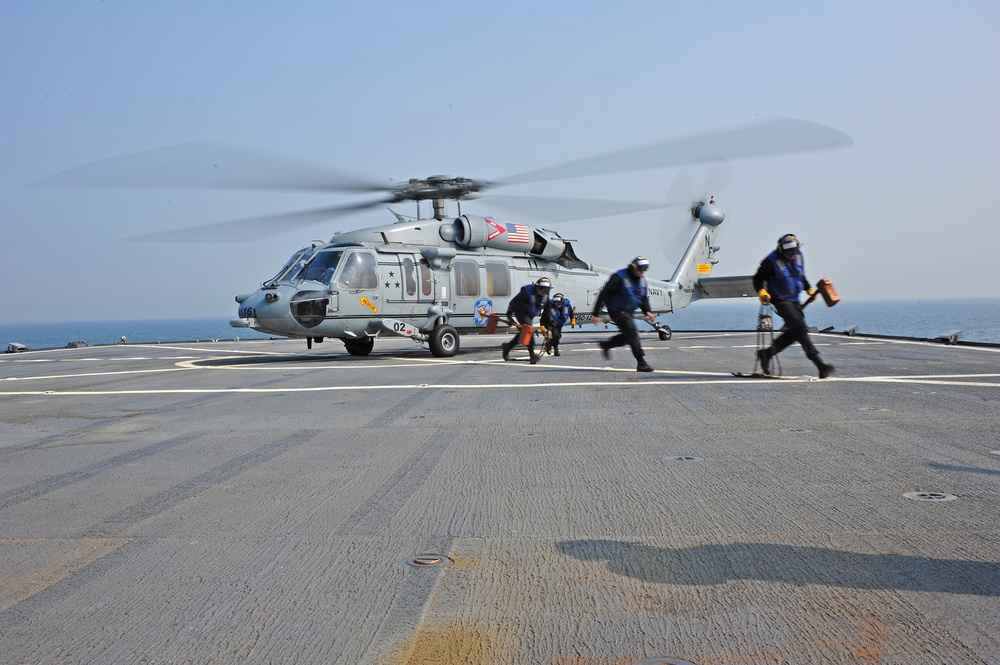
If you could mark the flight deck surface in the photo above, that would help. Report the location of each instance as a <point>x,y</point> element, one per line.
<point>257,502</point>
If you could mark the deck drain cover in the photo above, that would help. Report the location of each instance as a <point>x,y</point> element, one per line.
<point>995,452</point>
<point>426,560</point>
<point>930,496</point>
<point>796,431</point>
<point>529,434</point>
<point>683,458</point>
<point>664,661</point>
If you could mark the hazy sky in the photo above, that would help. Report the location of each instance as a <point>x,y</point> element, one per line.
<point>397,90</point>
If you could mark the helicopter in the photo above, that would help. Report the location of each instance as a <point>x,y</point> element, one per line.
<point>433,279</point>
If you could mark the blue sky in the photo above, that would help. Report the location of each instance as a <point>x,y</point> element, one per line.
<point>398,90</point>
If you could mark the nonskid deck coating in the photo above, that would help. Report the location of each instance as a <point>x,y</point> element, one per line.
<point>258,502</point>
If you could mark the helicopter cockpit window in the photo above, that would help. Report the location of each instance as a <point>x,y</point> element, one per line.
<point>466,278</point>
<point>322,266</point>
<point>291,267</point>
<point>497,279</point>
<point>359,271</point>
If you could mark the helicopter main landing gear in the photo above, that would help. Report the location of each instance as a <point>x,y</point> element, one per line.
<point>444,341</point>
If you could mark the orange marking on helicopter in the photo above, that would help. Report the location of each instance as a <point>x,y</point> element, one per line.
<point>369,304</point>
<point>704,268</point>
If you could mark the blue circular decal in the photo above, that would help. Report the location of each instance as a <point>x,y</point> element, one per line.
<point>484,307</point>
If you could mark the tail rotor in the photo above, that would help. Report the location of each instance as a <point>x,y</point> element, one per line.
<point>695,196</point>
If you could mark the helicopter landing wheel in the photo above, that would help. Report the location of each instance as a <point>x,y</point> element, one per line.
<point>360,347</point>
<point>665,333</point>
<point>444,341</point>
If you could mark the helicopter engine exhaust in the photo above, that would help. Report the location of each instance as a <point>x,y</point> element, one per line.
<point>472,231</point>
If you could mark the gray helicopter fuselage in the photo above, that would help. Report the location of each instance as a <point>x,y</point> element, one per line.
<point>430,272</point>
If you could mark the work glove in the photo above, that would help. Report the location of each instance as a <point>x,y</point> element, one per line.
<point>811,292</point>
<point>572,322</point>
<point>542,328</point>
<point>765,297</point>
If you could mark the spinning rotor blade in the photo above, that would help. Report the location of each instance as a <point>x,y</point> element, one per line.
<point>254,228</point>
<point>209,166</point>
<point>770,137</point>
<point>212,165</point>
<point>547,209</point>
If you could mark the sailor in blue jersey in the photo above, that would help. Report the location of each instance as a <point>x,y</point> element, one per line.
<point>529,302</point>
<point>780,279</point>
<point>556,315</point>
<point>623,293</point>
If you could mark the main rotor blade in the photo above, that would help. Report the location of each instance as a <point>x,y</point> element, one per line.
<point>769,137</point>
<point>209,165</point>
<point>548,209</point>
<point>254,228</point>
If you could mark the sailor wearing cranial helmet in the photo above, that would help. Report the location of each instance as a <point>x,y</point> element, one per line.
<point>530,301</point>
<point>624,292</point>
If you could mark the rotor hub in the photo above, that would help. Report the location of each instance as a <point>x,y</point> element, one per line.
<point>438,187</point>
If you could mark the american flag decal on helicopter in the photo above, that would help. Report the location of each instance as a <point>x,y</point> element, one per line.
<point>517,233</point>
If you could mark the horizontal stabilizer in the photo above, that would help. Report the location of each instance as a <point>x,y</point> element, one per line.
<point>726,287</point>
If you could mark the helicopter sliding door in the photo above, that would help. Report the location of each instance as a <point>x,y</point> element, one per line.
<point>479,288</point>
<point>465,290</point>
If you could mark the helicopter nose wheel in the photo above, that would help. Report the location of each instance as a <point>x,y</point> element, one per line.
<point>665,333</point>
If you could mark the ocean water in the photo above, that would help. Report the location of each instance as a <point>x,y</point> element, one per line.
<point>977,318</point>
<point>58,335</point>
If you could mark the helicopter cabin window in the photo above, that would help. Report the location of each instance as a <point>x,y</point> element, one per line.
<point>425,278</point>
<point>497,279</point>
<point>409,280</point>
<point>322,266</point>
<point>466,278</point>
<point>359,271</point>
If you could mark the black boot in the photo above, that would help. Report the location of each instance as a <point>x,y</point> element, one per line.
<point>534,357</point>
<point>825,370</point>
<point>643,366</point>
<point>555,350</point>
<point>506,350</point>
<point>764,356</point>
